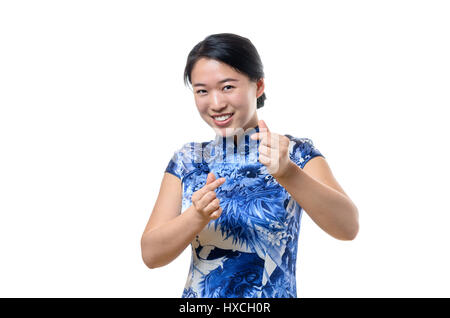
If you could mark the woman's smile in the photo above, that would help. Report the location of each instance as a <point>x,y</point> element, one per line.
<point>223,120</point>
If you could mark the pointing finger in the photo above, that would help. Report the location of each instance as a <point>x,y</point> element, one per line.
<point>215,184</point>
<point>259,135</point>
<point>210,178</point>
<point>262,124</point>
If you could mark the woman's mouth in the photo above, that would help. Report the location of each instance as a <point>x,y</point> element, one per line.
<point>223,120</point>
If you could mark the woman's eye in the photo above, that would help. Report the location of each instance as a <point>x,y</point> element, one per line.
<point>202,90</point>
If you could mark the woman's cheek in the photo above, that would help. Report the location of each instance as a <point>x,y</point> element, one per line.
<point>202,109</point>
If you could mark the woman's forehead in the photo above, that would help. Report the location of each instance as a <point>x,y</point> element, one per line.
<point>209,71</point>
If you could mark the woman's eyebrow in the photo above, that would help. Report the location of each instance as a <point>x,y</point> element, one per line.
<point>222,81</point>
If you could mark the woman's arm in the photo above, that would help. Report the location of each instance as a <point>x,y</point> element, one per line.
<point>163,244</point>
<point>168,232</point>
<point>316,192</point>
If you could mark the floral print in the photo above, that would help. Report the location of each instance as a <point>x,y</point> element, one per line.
<point>250,250</point>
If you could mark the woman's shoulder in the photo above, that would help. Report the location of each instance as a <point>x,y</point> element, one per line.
<point>190,148</point>
<point>189,153</point>
<point>186,158</point>
<point>299,142</point>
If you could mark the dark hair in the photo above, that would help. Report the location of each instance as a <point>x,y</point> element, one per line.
<point>232,49</point>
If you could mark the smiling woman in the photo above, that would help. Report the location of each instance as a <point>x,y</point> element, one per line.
<point>238,199</point>
<point>228,88</point>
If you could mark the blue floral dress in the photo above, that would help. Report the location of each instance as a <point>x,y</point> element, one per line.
<point>251,249</point>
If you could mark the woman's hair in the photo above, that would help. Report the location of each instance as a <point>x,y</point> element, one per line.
<point>232,49</point>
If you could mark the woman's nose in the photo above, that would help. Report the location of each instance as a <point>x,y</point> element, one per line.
<point>216,103</point>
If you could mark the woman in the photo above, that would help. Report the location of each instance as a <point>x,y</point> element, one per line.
<point>238,199</point>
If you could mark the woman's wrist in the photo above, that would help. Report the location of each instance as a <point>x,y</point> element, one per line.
<point>197,218</point>
<point>288,172</point>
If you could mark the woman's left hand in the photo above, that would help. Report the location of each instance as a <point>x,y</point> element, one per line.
<point>273,150</point>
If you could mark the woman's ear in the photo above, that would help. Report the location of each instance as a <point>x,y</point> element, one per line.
<point>259,87</point>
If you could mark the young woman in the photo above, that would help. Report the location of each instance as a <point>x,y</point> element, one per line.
<point>238,199</point>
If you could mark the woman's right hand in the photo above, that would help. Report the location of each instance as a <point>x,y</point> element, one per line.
<point>205,201</point>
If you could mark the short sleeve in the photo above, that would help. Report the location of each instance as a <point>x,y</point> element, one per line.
<point>174,165</point>
<point>301,150</point>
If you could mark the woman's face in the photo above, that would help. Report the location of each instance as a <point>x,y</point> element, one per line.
<point>221,90</point>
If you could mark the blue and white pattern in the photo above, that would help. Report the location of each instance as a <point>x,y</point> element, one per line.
<point>251,249</point>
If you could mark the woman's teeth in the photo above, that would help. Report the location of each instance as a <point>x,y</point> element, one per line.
<point>222,118</point>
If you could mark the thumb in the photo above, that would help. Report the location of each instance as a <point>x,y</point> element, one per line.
<point>262,124</point>
<point>210,178</point>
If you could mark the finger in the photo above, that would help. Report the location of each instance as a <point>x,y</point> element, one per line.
<point>203,202</point>
<point>270,151</point>
<point>265,139</point>
<point>271,139</point>
<point>210,178</point>
<point>212,206</point>
<point>215,184</point>
<point>265,150</point>
<point>264,159</point>
<point>216,214</point>
<point>261,136</point>
<point>210,186</point>
<point>263,129</point>
<point>263,126</point>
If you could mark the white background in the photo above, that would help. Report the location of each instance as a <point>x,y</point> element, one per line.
<point>93,106</point>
